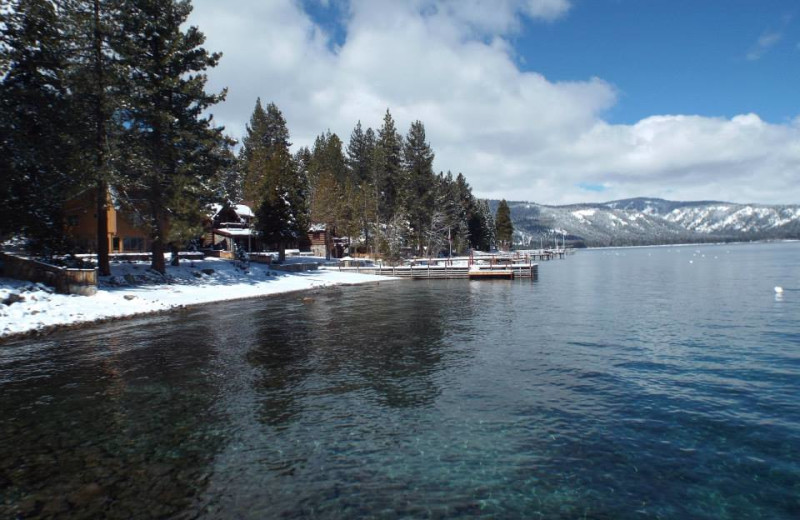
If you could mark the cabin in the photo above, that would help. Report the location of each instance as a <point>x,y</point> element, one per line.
<point>230,225</point>
<point>325,242</point>
<point>127,232</point>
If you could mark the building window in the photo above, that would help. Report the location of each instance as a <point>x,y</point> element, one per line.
<point>72,220</point>
<point>115,244</point>
<point>133,244</point>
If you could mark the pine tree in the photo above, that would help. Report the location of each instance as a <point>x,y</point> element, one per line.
<point>463,200</point>
<point>274,183</point>
<point>172,145</point>
<point>418,164</point>
<point>481,225</point>
<point>277,216</point>
<point>388,168</point>
<point>452,204</point>
<point>329,180</point>
<point>228,185</point>
<point>359,156</point>
<point>37,158</point>
<point>95,79</point>
<point>302,160</point>
<point>504,227</point>
<point>488,225</point>
<point>254,142</point>
<point>360,161</point>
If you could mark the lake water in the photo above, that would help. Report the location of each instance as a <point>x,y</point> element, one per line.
<point>629,383</point>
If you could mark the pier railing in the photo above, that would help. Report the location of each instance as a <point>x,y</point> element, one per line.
<point>443,271</point>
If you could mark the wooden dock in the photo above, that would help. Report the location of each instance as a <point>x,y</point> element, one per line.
<point>441,272</point>
<point>491,274</point>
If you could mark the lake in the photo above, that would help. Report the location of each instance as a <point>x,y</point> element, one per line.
<point>623,383</point>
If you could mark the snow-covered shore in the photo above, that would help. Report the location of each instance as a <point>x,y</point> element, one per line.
<point>133,289</point>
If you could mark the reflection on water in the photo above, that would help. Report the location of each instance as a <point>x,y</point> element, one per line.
<point>619,385</point>
<point>108,420</point>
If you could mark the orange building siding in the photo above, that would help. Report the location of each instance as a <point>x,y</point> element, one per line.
<point>124,236</point>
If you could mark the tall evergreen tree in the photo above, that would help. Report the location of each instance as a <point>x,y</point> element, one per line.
<point>173,146</point>
<point>274,184</point>
<point>420,186</point>
<point>369,195</point>
<point>481,225</point>
<point>504,227</point>
<point>278,217</point>
<point>252,144</point>
<point>487,224</point>
<point>388,168</point>
<point>267,133</point>
<point>463,199</point>
<point>359,155</point>
<point>302,161</point>
<point>95,79</point>
<point>227,185</point>
<point>36,150</point>
<point>449,202</point>
<point>360,160</point>
<point>328,177</point>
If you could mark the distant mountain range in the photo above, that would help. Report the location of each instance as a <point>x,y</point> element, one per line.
<point>648,221</point>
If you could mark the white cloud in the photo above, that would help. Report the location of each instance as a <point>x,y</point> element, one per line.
<point>764,43</point>
<point>497,16</point>
<point>514,134</point>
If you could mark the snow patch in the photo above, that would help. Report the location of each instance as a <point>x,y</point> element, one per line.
<point>135,289</point>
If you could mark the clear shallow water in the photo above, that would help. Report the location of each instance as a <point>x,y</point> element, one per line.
<point>632,383</point>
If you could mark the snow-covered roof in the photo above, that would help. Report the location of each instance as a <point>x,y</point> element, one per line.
<point>317,227</point>
<point>235,232</point>
<point>214,209</point>
<point>243,211</point>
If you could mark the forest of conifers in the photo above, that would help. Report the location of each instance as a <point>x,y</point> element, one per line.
<point>110,96</point>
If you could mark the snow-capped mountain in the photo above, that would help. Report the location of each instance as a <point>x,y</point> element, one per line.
<point>643,221</point>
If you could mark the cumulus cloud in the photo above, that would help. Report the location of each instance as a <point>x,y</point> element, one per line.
<point>514,134</point>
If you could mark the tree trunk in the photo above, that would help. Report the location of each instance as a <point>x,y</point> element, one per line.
<point>157,262</point>
<point>175,260</point>
<point>281,252</point>
<point>103,262</point>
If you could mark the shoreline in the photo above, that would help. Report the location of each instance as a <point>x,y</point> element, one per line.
<point>692,244</point>
<point>77,325</point>
<point>133,292</point>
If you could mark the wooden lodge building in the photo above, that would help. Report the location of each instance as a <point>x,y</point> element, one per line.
<point>227,226</point>
<point>326,243</point>
<point>126,231</point>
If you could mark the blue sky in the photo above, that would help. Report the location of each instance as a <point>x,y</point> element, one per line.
<point>676,56</point>
<point>552,101</point>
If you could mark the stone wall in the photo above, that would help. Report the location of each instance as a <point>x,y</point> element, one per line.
<point>65,281</point>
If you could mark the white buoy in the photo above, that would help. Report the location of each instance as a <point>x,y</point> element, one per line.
<point>778,289</point>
